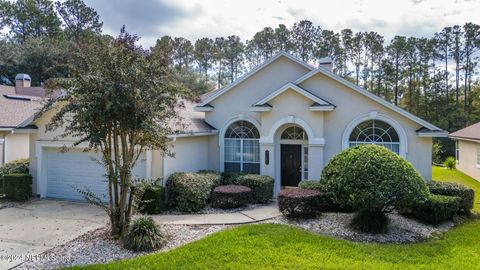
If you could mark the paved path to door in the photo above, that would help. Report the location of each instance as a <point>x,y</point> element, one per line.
<point>32,228</point>
<point>247,216</point>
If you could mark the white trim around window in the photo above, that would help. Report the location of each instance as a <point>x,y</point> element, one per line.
<point>381,117</point>
<point>221,135</point>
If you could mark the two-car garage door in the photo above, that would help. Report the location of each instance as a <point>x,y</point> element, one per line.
<point>73,170</point>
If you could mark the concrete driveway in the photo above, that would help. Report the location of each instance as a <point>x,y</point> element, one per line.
<point>32,228</point>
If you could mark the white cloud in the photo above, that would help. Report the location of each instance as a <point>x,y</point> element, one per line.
<point>200,18</point>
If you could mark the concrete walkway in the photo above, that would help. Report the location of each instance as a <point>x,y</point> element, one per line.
<point>247,216</point>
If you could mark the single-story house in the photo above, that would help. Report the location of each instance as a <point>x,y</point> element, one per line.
<point>285,118</point>
<point>467,150</point>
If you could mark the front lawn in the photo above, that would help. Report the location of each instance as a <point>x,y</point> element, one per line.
<point>444,174</point>
<point>270,246</point>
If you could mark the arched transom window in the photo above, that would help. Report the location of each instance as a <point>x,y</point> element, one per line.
<point>294,133</point>
<point>375,132</point>
<point>242,149</point>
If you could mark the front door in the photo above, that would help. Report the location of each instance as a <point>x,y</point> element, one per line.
<point>291,162</point>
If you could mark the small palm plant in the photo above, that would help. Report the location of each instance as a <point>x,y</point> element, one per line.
<point>450,163</point>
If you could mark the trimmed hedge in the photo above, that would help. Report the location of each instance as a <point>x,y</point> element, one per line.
<point>327,204</point>
<point>230,196</point>
<point>464,193</point>
<point>228,178</point>
<point>13,167</point>
<point>299,203</point>
<point>310,184</point>
<point>189,192</point>
<point>153,200</point>
<point>436,208</point>
<point>18,187</point>
<point>261,186</point>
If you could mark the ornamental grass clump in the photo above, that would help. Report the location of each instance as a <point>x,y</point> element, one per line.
<point>372,180</point>
<point>144,235</point>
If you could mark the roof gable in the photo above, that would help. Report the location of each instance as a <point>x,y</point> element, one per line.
<point>219,92</point>
<point>317,100</point>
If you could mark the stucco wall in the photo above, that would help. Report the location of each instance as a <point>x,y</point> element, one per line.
<point>239,99</point>
<point>191,155</point>
<point>17,146</point>
<point>468,158</point>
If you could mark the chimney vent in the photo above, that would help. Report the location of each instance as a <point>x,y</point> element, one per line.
<point>326,62</point>
<point>23,80</point>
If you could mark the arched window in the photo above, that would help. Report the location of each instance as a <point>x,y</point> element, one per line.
<point>294,133</point>
<point>242,149</point>
<point>375,132</point>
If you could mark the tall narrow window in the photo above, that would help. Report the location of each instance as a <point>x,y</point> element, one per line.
<point>375,132</point>
<point>457,151</point>
<point>242,149</point>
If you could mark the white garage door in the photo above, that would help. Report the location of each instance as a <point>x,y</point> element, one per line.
<point>73,170</point>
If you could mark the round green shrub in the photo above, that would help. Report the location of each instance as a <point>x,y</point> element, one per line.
<point>261,186</point>
<point>450,163</point>
<point>230,196</point>
<point>465,194</point>
<point>370,221</point>
<point>144,235</point>
<point>153,200</point>
<point>299,203</point>
<point>190,192</point>
<point>436,209</point>
<point>372,177</point>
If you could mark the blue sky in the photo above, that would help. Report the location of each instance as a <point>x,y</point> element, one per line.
<point>195,19</point>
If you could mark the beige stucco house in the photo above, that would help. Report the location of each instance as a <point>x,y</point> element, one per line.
<point>285,118</point>
<point>467,150</point>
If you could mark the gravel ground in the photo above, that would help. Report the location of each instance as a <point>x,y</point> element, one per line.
<point>401,229</point>
<point>98,247</point>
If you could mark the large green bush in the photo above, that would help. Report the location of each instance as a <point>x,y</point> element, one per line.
<point>374,178</point>
<point>261,186</point>
<point>153,200</point>
<point>144,235</point>
<point>190,192</point>
<point>436,208</point>
<point>17,187</point>
<point>465,194</point>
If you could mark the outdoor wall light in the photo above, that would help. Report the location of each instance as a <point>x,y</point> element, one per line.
<point>267,157</point>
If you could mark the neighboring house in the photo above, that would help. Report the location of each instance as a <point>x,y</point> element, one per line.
<point>284,118</point>
<point>467,150</point>
<point>17,104</point>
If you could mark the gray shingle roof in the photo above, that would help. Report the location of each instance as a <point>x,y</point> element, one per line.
<point>471,132</point>
<point>16,108</point>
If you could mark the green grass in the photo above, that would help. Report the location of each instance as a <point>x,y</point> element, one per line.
<point>443,174</point>
<point>268,246</point>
